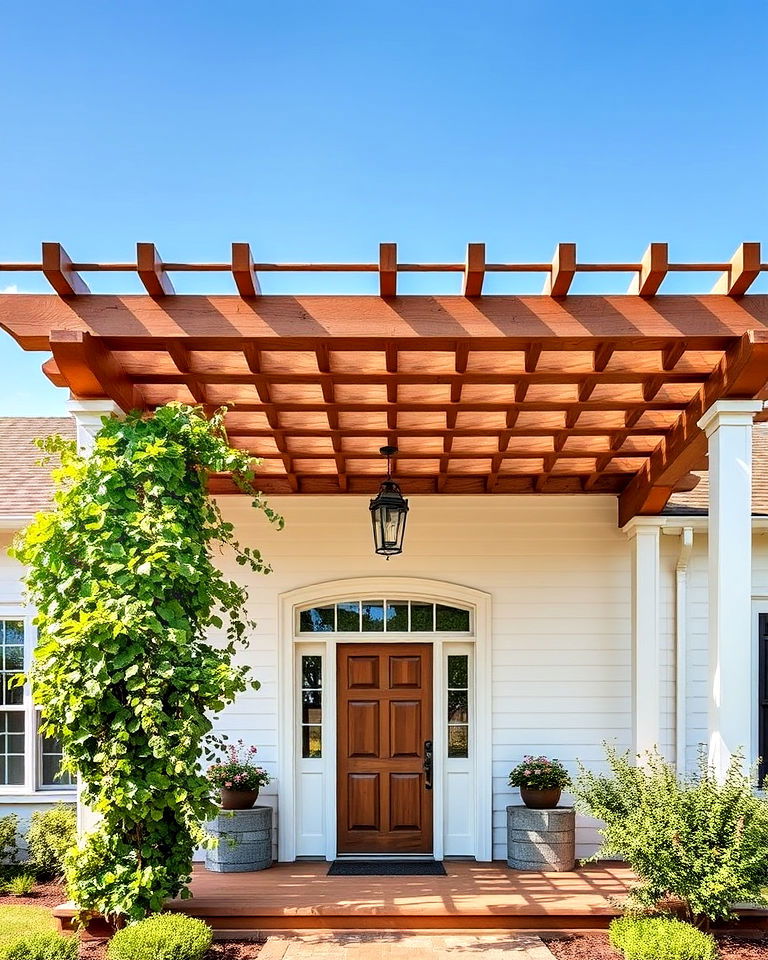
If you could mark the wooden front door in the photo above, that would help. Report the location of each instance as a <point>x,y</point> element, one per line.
<point>384,720</point>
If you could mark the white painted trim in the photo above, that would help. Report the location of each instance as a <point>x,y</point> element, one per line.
<point>681,648</point>
<point>407,588</point>
<point>645,603</point>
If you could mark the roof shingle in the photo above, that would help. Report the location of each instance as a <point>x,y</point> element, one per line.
<point>25,486</point>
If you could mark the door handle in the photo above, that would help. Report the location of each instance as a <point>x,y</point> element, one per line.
<point>428,764</point>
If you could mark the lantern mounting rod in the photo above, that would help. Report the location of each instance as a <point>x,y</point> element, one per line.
<point>388,452</point>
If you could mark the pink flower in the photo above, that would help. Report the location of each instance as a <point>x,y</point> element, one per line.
<point>228,785</point>
<point>526,773</point>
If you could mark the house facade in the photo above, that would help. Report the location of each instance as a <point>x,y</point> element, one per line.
<point>570,573</point>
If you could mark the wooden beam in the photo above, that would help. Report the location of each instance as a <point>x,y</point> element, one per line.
<point>653,269</point>
<point>474,271</point>
<point>413,322</point>
<point>744,269</point>
<point>91,371</point>
<point>558,283</point>
<point>51,369</point>
<point>672,354</point>
<point>58,271</point>
<point>388,269</point>
<point>741,374</point>
<point>151,271</point>
<point>532,354</point>
<point>180,356</point>
<point>602,355</point>
<point>246,280</point>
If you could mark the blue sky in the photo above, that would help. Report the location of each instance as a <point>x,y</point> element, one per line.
<point>315,131</point>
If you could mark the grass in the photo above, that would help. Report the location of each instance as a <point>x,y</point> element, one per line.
<point>17,921</point>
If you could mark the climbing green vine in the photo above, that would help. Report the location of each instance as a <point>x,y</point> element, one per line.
<point>122,573</point>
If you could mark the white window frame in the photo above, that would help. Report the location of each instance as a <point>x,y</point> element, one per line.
<point>32,786</point>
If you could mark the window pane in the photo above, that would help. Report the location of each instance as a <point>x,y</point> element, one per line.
<point>373,615</point>
<point>397,615</point>
<point>348,617</point>
<point>311,672</point>
<point>311,707</point>
<point>14,632</point>
<point>317,620</point>
<point>458,741</point>
<point>14,696</point>
<point>458,707</point>
<point>458,671</point>
<point>12,746</point>
<point>421,617</point>
<point>452,618</point>
<point>14,658</point>
<point>311,742</point>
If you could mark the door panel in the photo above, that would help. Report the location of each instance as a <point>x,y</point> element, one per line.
<point>384,717</point>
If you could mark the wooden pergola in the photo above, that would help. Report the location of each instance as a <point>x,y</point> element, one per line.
<point>551,393</point>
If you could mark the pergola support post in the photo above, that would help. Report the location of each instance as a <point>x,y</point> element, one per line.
<point>87,415</point>
<point>644,537</point>
<point>728,427</point>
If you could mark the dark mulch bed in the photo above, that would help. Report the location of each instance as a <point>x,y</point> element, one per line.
<point>221,950</point>
<point>42,895</point>
<point>598,948</point>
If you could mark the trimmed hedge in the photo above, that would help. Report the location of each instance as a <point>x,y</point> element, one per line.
<point>660,938</point>
<point>40,946</point>
<point>52,834</point>
<point>164,936</point>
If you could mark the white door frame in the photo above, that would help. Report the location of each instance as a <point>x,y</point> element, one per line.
<point>406,588</point>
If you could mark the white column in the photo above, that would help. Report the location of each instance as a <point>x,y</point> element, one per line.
<point>644,543</point>
<point>88,415</point>
<point>728,426</point>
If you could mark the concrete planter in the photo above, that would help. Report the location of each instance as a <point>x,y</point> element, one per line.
<point>245,841</point>
<point>541,839</point>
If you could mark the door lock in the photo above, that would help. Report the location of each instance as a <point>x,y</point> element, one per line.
<point>428,764</point>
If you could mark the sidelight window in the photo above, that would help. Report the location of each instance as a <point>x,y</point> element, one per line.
<point>311,706</point>
<point>458,705</point>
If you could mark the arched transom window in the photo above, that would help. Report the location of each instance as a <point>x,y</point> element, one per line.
<point>384,616</point>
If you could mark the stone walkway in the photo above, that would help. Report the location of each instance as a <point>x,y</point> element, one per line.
<point>404,946</point>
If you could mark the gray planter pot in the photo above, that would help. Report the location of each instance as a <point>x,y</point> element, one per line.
<point>541,839</point>
<point>245,841</point>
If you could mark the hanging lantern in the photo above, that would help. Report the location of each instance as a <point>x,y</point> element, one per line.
<point>389,510</point>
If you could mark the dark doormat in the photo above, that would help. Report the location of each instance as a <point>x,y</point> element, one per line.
<point>386,868</point>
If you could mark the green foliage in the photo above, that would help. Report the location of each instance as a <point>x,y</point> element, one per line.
<point>693,838</point>
<point>660,938</point>
<point>52,833</point>
<point>9,844</point>
<point>539,773</point>
<point>122,574</point>
<point>166,936</point>
<point>40,946</point>
<point>21,884</point>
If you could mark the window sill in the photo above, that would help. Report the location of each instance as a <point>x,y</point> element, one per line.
<point>39,796</point>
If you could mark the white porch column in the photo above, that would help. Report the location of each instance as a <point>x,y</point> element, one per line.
<point>728,426</point>
<point>644,543</point>
<point>87,415</point>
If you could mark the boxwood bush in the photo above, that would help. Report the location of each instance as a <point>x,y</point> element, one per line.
<point>165,936</point>
<point>40,946</point>
<point>660,938</point>
<point>52,833</point>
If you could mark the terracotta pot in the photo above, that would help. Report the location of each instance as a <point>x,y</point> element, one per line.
<point>540,799</point>
<point>237,799</point>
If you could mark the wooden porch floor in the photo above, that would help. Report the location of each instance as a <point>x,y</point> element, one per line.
<point>300,896</point>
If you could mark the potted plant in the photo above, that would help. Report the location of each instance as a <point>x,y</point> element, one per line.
<point>237,778</point>
<point>540,780</point>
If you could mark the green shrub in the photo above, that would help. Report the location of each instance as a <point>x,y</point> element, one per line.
<point>165,936</point>
<point>660,938</point>
<point>693,839</point>
<point>51,835</point>
<point>9,847</point>
<point>40,946</point>
<point>21,884</point>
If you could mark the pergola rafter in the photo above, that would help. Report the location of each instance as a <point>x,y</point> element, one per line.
<point>495,394</point>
